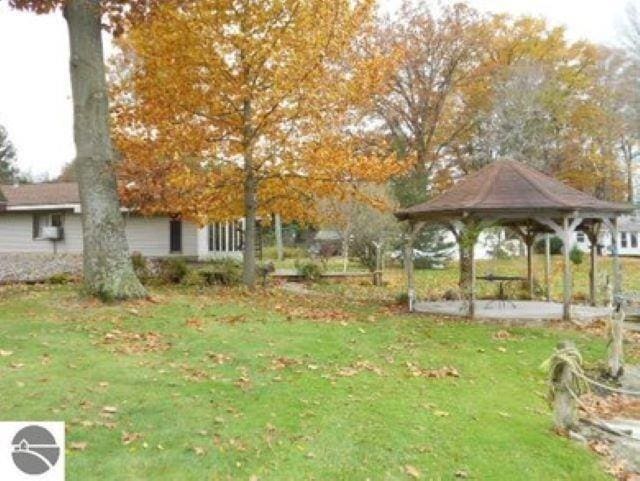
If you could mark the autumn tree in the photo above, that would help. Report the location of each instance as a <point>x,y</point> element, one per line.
<point>245,108</point>
<point>437,55</point>
<point>108,272</point>
<point>8,157</point>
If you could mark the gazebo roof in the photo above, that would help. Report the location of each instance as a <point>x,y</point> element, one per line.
<point>507,187</point>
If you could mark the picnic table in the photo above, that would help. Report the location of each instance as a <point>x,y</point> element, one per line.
<point>501,280</point>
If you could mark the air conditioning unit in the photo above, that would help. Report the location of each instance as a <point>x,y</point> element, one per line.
<point>52,233</point>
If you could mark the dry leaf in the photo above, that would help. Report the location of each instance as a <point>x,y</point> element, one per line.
<point>128,438</point>
<point>78,445</point>
<point>4,353</point>
<point>412,471</point>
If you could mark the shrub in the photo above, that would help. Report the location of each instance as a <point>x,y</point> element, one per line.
<point>194,278</point>
<point>576,255</point>
<point>310,270</point>
<point>140,267</point>
<point>270,252</point>
<point>402,298</point>
<point>225,272</point>
<point>173,270</point>
<point>430,262</point>
<point>60,279</point>
<point>555,246</point>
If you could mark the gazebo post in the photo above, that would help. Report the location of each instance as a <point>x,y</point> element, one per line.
<point>612,225</point>
<point>592,235</point>
<point>528,236</point>
<point>565,231</point>
<point>414,229</point>
<point>547,265</point>
<point>617,280</point>
<point>567,287</point>
<point>472,281</point>
<point>468,236</point>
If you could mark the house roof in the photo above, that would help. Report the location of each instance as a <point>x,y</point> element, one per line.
<point>51,193</point>
<point>507,186</point>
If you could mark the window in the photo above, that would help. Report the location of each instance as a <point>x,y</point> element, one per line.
<point>581,237</point>
<point>223,237</point>
<point>226,236</point>
<point>623,240</point>
<point>634,239</point>
<point>42,220</point>
<point>175,235</point>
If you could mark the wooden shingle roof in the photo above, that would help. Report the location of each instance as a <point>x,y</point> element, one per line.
<point>507,186</point>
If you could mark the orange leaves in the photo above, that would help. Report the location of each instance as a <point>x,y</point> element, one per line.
<point>217,94</point>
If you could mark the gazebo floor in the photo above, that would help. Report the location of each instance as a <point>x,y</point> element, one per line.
<point>512,310</point>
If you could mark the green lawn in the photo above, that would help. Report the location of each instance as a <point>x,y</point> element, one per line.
<point>273,386</point>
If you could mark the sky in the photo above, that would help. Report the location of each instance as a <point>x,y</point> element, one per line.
<point>35,92</point>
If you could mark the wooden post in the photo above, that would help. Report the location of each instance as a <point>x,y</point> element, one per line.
<point>529,242</point>
<point>593,252</point>
<point>567,279</point>
<point>547,265</point>
<point>565,414</point>
<point>408,266</point>
<point>472,281</point>
<point>616,357</point>
<point>377,275</point>
<point>617,281</point>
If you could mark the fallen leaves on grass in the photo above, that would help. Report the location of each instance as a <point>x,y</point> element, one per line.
<point>109,410</point>
<point>4,353</point>
<point>502,335</point>
<point>282,362</point>
<point>358,367</point>
<point>128,438</point>
<point>219,358</point>
<point>236,319</point>
<point>195,323</point>
<point>446,371</point>
<point>318,314</point>
<point>412,471</point>
<point>135,342</point>
<point>78,445</point>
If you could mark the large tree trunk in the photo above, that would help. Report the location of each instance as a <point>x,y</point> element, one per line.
<point>250,201</point>
<point>108,271</point>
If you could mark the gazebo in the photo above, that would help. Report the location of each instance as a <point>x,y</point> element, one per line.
<point>512,195</point>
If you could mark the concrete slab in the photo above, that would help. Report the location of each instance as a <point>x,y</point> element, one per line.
<point>511,310</point>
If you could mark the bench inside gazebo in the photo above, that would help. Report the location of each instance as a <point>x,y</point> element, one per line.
<point>512,195</point>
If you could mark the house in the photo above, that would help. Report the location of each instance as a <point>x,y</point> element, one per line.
<point>628,241</point>
<point>46,218</point>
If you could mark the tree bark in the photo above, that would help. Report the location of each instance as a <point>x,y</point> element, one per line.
<point>250,200</point>
<point>108,272</point>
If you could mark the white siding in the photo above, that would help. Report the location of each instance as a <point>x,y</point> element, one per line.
<point>150,236</point>
<point>147,235</point>
<point>16,234</point>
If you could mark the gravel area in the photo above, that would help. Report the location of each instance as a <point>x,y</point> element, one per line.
<point>21,267</point>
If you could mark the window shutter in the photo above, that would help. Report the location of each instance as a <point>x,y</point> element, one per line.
<point>175,235</point>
